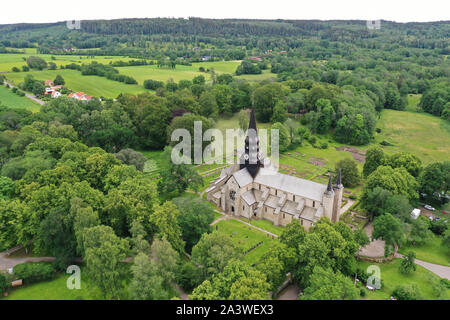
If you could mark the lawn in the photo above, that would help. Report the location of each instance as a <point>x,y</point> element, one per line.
<point>422,134</point>
<point>266,225</point>
<point>391,278</point>
<point>91,85</point>
<point>56,289</point>
<point>433,251</point>
<point>12,100</point>
<point>246,237</point>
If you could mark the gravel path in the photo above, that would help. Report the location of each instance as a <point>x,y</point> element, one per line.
<point>7,262</point>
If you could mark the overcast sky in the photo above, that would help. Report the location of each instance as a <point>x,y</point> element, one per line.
<point>15,11</point>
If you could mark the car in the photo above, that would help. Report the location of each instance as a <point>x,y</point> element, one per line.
<point>428,207</point>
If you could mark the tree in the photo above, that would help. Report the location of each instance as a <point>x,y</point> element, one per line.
<point>435,178</point>
<point>349,172</point>
<point>265,98</point>
<point>280,113</point>
<point>176,178</point>
<point>38,88</point>
<point>165,219</point>
<point>374,201</point>
<point>166,260</point>
<point>147,283</point>
<point>398,181</point>
<point>326,284</point>
<point>59,81</point>
<point>208,105</point>
<point>189,276</point>
<point>131,157</point>
<point>374,159</point>
<point>104,253</point>
<point>420,231</point>
<point>252,287</point>
<point>408,265</point>
<point>84,218</point>
<point>243,120</point>
<point>3,283</point>
<point>388,228</point>
<point>406,160</point>
<point>213,252</point>
<point>293,234</point>
<point>6,187</point>
<point>194,219</point>
<point>283,135</point>
<point>407,292</point>
<point>36,62</point>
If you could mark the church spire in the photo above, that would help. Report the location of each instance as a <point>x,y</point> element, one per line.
<point>252,122</point>
<point>329,187</point>
<point>339,178</point>
<point>252,159</point>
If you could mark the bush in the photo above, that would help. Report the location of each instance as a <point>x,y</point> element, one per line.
<point>407,292</point>
<point>31,272</point>
<point>153,84</point>
<point>386,143</point>
<point>3,283</point>
<point>324,145</point>
<point>362,292</point>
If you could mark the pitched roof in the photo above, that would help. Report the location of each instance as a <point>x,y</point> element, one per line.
<point>297,186</point>
<point>249,197</point>
<point>243,177</point>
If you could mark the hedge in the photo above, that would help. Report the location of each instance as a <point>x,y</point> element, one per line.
<point>31,272</point>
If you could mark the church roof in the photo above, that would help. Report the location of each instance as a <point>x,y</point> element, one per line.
<point>297,186</point>
<point>249,197</point>
<point>243,177</point>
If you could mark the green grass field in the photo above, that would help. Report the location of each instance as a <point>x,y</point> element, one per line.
<point>142,73</point>
<point>422,134</point>
<point>391,278</point>
<point>245,237</point>
<point>56,289</point>
<point>266,225</point>
<point>91,85</point>
<point>433,252</point>
<point>10,60</point>
<point>12,100</point>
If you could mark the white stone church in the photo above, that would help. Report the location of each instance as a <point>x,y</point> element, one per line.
<point>253,190</point>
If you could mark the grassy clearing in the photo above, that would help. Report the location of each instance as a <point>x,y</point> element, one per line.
<point>56,289</point>
<point>12,100</point>
<point>424,135</point>
<point>91,85</point>
<point>266,74</point>
<point>392,278</point>
<point>246,237</point>
<point>433,251</point>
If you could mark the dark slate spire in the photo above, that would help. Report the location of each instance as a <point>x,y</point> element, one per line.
<point>251,158</point>
<point>329,187</point>
<point>339,178</point>
<point>252,122</point>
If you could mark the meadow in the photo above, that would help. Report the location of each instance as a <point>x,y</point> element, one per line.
<point>391,277</point>
<point>91,85</point>
<point>12,100</point>
<point>433,251</point>
<point>11,60</point>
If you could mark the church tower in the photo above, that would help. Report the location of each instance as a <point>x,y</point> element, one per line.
<point>328,200</point>
<point>338,192</point>
<point>252,158</point>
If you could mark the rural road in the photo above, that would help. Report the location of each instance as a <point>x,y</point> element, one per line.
<point>6,263</point>
<point>441,271</point>
<point>29,96</point>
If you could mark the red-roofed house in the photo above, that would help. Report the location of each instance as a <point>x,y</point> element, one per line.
<point>255,58</point>
<point>80,96</point>
<point>49,83</point>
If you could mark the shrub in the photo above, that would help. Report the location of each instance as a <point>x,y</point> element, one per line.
<point>386,143</point>
<point>31,272</point>
<point>407,292</point>
<point>324,145</point>
<point>3,283</point>
<point>362,292</point>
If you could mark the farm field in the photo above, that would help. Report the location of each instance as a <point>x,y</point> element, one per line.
<point>245,237</point>
<point>433,251</point>
<point>10,60</point>
<point>12,100</point>
<point>391,278</point>
<point>91,85</point>
<point>142,73</point>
